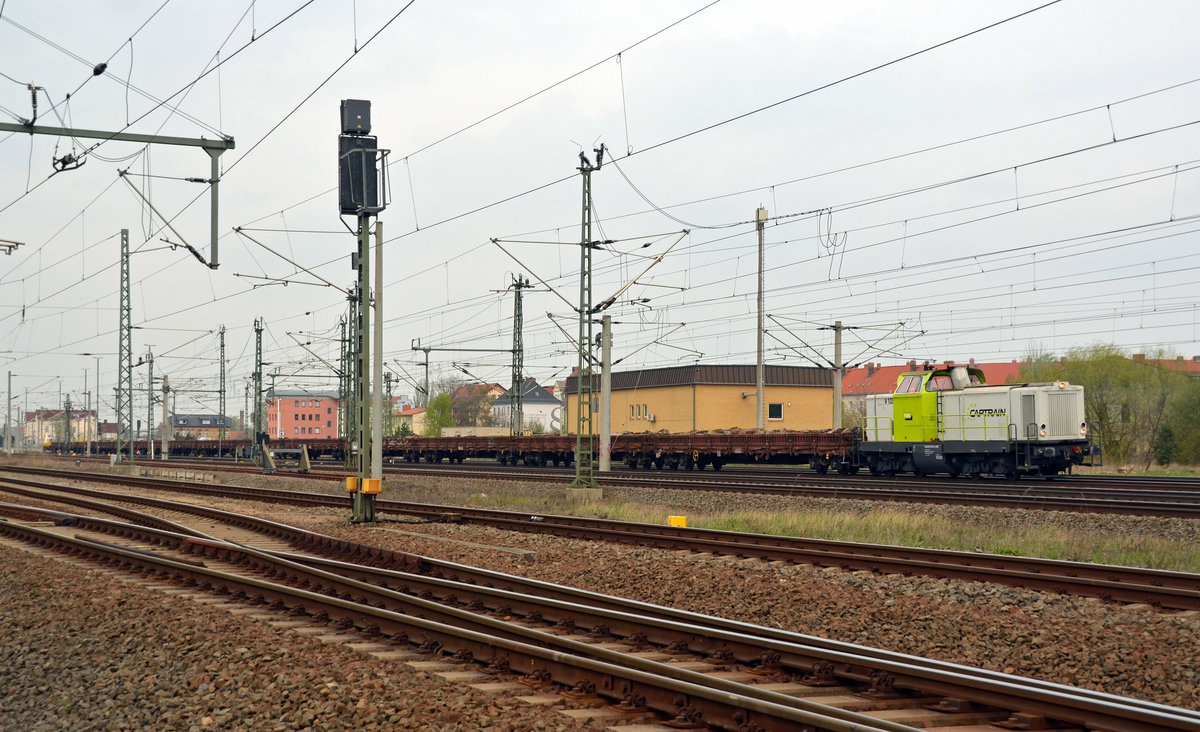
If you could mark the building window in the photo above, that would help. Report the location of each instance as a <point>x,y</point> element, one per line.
<point>318,430</point>
<point>328,410</point>
<point>329,424</point>
<point>297,403</point>
<point>775,411</point>
<point>295,430</point>
<point>631,415</point>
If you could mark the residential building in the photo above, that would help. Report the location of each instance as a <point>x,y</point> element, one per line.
<point>711,397</point>
<point>1188,366</point>
<point>471,404</point>
<point>414,417</point>
<point>302,413</point>
<point>201,426</point>
<point>49,425</point>
<point>538,407</point>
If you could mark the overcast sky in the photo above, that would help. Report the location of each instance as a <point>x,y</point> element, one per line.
<point>1029,186</point>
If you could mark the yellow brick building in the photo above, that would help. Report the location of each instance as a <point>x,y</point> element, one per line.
<point>710,397</point>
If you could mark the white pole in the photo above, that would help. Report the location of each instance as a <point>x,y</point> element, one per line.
<point>8,419</point>
<point>166,428</point>
<point>837,375</point>
<point>606,394</point>
<point>760,218</point>
<point>377,361</point>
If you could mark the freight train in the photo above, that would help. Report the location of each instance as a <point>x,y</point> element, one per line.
<point>942,420</point>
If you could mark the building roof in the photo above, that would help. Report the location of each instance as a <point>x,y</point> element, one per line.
<point>301,394</point>
<point>1179,363</point>
<point>411,411</point>
<point>735,375</point>
<point>531,394</point>
<point>493,389</point>
<point>877,379</point>
<point>46,414</point>
<point>199,420</point>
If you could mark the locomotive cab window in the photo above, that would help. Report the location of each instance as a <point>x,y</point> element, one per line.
<point>909,385</point>
<point>939,382</point>
<point>775,411</point>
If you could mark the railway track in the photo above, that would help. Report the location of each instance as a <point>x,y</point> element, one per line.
<point>783,475</point>
<point>1075,496</point>
<point>1159,588</point>
<point>647,663</point>
<point>763,472</point>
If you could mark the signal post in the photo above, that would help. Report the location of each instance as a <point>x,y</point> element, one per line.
<point>361,192</point>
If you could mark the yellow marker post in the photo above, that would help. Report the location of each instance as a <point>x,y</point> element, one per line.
<point>677,521</point>
<point>351,483</point>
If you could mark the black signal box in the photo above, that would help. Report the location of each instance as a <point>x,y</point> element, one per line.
<point>356,117</point>
<point>358,174</point>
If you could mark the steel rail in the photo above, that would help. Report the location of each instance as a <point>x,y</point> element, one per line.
<point>1163,588</point>
<point>667,690</point>
<point>1094,709</point>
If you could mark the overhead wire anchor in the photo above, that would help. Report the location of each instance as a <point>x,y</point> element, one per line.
<point>195,253</point>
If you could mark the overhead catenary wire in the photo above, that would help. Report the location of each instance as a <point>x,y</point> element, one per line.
<point>610,217</point>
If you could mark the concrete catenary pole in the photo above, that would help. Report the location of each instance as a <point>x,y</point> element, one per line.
<point>166,428</point>
<point>150,407</point>
<point>8,419</point>
<point>760,218</point>
<point>377,361</point>
<point>606,394</point>
<point>87,413</point>
<point>837,375</point>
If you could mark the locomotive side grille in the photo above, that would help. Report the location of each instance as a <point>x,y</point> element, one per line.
<point>1063,419</point>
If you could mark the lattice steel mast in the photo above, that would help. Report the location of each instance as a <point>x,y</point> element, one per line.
<point>517,402</point>
<point>125,362</point>
<point>584,454</point>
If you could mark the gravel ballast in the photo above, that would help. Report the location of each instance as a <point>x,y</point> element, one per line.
<point>77,654</point>
<point>88,658</point>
